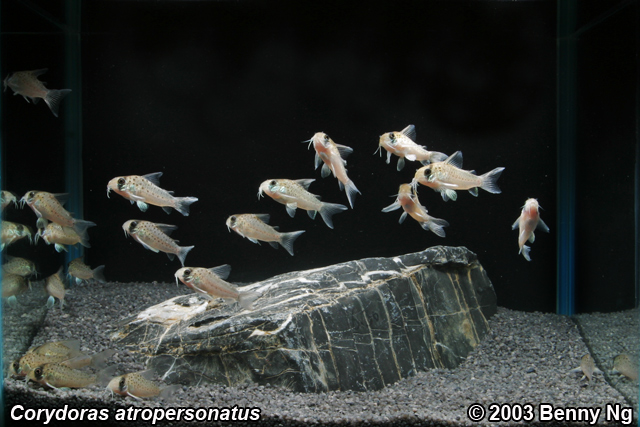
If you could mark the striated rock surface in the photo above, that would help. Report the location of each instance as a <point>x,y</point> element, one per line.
<point>358,325</point>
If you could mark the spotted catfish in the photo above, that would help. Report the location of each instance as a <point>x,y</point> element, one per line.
<point>61,236</point>
<point>145,190</point>
<point>57,375</point>
<point>139,385</point>
<point>155,237</point>
<point>408,201</point>
<point>48,206</point>
<point>402,145</point>
<point>26,83</point>
<point>55,288</point>
<point>12,286</point>
<point>255,227</point>
<point>294,194</point>
<point>82,272</point>
<point>12,232</point>
<point>7,198</point>
<point>20,266</point>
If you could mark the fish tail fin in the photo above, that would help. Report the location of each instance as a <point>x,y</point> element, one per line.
<point>436,225</point>
<point>182,253</point>
<point>351,191</point>
<point>330,209</point>
<point>287,239</point>
<point>246,299</point>
<point>489,181</point>
<point>525,252</point>
<point>98,274</point>
<point>168,392</point>
<point>99,360</point>
<point>183,203</point>
<point>53,98</point>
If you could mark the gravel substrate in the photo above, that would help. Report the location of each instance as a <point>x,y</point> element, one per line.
<point>525,359</point>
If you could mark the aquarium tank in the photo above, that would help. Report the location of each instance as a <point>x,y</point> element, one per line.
<point>514,127</point>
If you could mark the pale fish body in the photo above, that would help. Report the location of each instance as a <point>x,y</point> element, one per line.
<point>48,206</point>
<point>155,237</point>
<point>624,365</point>
<point>61,236</point>
<point>56,375</point>
<point>12,232</point>
<point>58,352</point>
<point>450,175</point>
<point>420,178</point>
<point>333,155</point>
<point>402,145</point>
<point>139,385</point>
<point>20,266</point>
<point>294,194</point>
<point>255,227</point>
<point>68,348</point>
<point>55,288</point>
<point>210,281</point>
<point>7,198</point>
<point>81,271</point>
<point>587,367</point>
<point>408,201</point>
<point>20,368</point>
<point>145,190</point>
<point>526,223</point>
<point>26,83</point>
<point>12,286</point>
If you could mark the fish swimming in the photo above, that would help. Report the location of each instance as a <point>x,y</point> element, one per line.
<point>256,227</point>
<point>210,282</point>
<point>82,272</point>
<point>420,178</point>
<point>333,155</point>
<point>55,288</point>
<point>450,176</point>
<point>61,236</point>
<point>528,221</point>
<point>48,206</point>
<point>7,198</point>
<point>26,83</point>
<point>20,266</point>
<point>294,194</point>
<point>402,145</point>
<point>155,237</point>
<point>13,285</point>
<point>408,201</point>
<point>145,190</point>
<point>57,375</point>
<point>139,385</point>
<point>587,367</point>
<point>12,232</point>
<point>624,365</point>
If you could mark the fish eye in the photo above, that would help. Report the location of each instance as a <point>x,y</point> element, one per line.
<point>122,384</point>
<point>16,366</point>
<point>32,194</point>
<point>37,372</point>
<point>427,172</point>
<point>326,138</point>
<point>392,137</point>
<point>20,228</point>
<point>273,183</point>
<point>186,273</point>
<point>121,183</point>
<point>133,225</point>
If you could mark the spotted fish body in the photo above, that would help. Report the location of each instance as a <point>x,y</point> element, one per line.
<point>20,266</point>
<point>155,237</point>
<point>210,281</point>
<point>294,194</point>
<point>333,155</point>
<point>48,206</point>
<point>420,178</point>
<point>624,365</point>
<point>139,386</point>
<point>81,271</point>
<point>12,286</point>
<point>255,227</point>
<point>55,288</point>
<point>61,236</point>
<point>12,232</point>
<point>56,375</point>
<point>408,201</point>
<point>145,190</point>
<point>26,83</point>
<point>402,145</point>
<point>7,198</point>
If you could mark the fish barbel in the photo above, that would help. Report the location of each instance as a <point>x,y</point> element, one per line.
<point>145,190</point>
<point>26,83</point>
<point>255,227</point>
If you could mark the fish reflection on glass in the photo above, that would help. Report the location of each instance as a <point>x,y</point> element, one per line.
<point>57,375</point>
<point>48,206</point>
<point>26,83</point>
<point>145,190</point>
<point>155,237</point>
<point>61,236</point>
<point>294,194</point>
<point>12,286</point>
<point>12,232</point>
<point>587,367</point>
<point>20,266</point>
<point>402,145</point>
<point>82,272</point>
<point>449,175</point>
<point>255,227</point>
<point>210,282</point>
<point>7,198</point>
<point>408,201</point>
<point>623,364</point>
<point>139,385</point>
<point>333,155</point>
<point>528,221</point>
<point>55,288</point>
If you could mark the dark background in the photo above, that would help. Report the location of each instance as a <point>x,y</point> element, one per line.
<point>219,96</point>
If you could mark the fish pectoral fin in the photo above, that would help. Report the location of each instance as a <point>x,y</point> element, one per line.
<point>135,397</point>
<point>142,206</point>
<point>515,224</point>
<point>317,161</point>
<point>542,226</point>
<point>251,239</point>
<point>291,209</point>
<point>60,248</point>
<point>402,217</point>
<point>326,171</point>
<point>344,150</point>
<point>400,164</point>
<point>411,157</point>
<point>392,207</point>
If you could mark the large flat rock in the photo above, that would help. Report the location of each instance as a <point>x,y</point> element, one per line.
<point>358,325</point>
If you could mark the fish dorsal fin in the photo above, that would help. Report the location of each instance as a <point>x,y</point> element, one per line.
<point>455,159</point>
<point>263,217</point>
<point>222,271</point>
<point>344,150</point>
<point>61,197</point>
<point>166,228</point>
<point>36,73</point>
<point>409,132</point>
<point>305,183</point>
<point>154,178</point>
